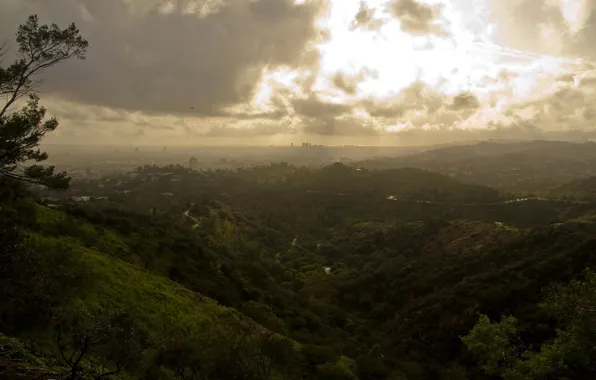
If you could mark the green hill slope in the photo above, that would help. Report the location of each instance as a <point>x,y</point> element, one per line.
<point>512,166</point>
<point>584,188</point>
<point>65,284</point>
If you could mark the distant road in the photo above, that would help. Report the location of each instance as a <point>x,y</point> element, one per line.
<point>195,220</point>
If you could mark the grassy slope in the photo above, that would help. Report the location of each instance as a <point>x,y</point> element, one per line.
<point>154,299</point>
<point>158,304</point>
<point>17,362</point>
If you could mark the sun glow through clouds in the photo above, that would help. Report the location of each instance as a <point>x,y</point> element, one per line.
<point>337,68</point>
<point>378,61</point>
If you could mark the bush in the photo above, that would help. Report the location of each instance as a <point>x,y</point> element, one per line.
<point>263,314</point>
<point>35,278</point>
<point>335,371</point>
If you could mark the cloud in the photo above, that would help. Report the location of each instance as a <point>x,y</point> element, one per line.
<point>416,97</point>
<point>365,19</point>
<point>562,105</point>
<point>339,126</point>
<point>247,69</point>
<point>417,18</point>
<point>163,59</point>
<point>582,43</point>
<point>314,107</point>
<point>84,115</point>
<point>465,100</point>
<point>512,133</point>
<point>320,117</point>
<point>546,27</point>
<point>531,25</point>
<point>349,83</point>
<point>345,83</point>
<point>261,129</point>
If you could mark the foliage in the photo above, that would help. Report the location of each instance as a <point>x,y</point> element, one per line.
<point>358,284</point>
<point>343,369</point>
<point>389,283</point>
<point>35,278</point>
<point>107,341</point>
<point>15,358</point>
<point>570,354</point>
<point>491,341</point>
<point>40,47</point>
<point>235,350</point>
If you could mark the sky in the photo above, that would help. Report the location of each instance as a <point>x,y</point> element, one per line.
<point>370,72</point>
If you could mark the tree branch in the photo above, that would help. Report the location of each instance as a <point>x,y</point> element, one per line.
<point>61,347</point>
<point>21,178</point>
<point>27,73</point>
<point>83,352</point>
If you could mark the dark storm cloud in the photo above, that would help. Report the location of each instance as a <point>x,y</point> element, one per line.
<point>142,59</point>
<point>417,18</point>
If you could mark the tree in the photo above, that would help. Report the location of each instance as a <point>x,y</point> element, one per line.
<point>40,47</point>
<point>230,349</point>
<point>571,354</point>
<point>36,276</point>
<point>108,341</point>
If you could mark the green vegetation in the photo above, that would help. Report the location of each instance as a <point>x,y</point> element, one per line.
<point>90,302</point>
<point>17,362</point>
<point>375,289</point>
<point>523,167</point>
<point>502,351</point>
<point>40,47</point>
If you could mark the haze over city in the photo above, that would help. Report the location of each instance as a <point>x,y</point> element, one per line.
<point>399,72</point>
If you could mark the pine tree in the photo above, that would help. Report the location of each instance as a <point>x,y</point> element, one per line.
<point>40,47</point>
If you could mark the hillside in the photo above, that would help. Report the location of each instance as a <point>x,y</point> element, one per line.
<point>404,184</point>
<point>318,198</point>
<point>584,188</point>
<point>355,274</point>
<point>514,166</point>
<point>83,281</point>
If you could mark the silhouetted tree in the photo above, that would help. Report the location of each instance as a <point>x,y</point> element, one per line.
<point>107,341</point>
<point>40,47</point>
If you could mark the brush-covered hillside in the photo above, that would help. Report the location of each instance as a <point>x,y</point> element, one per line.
<point>83,299</point>
<point>354,273</point>
<point>524,166</point>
